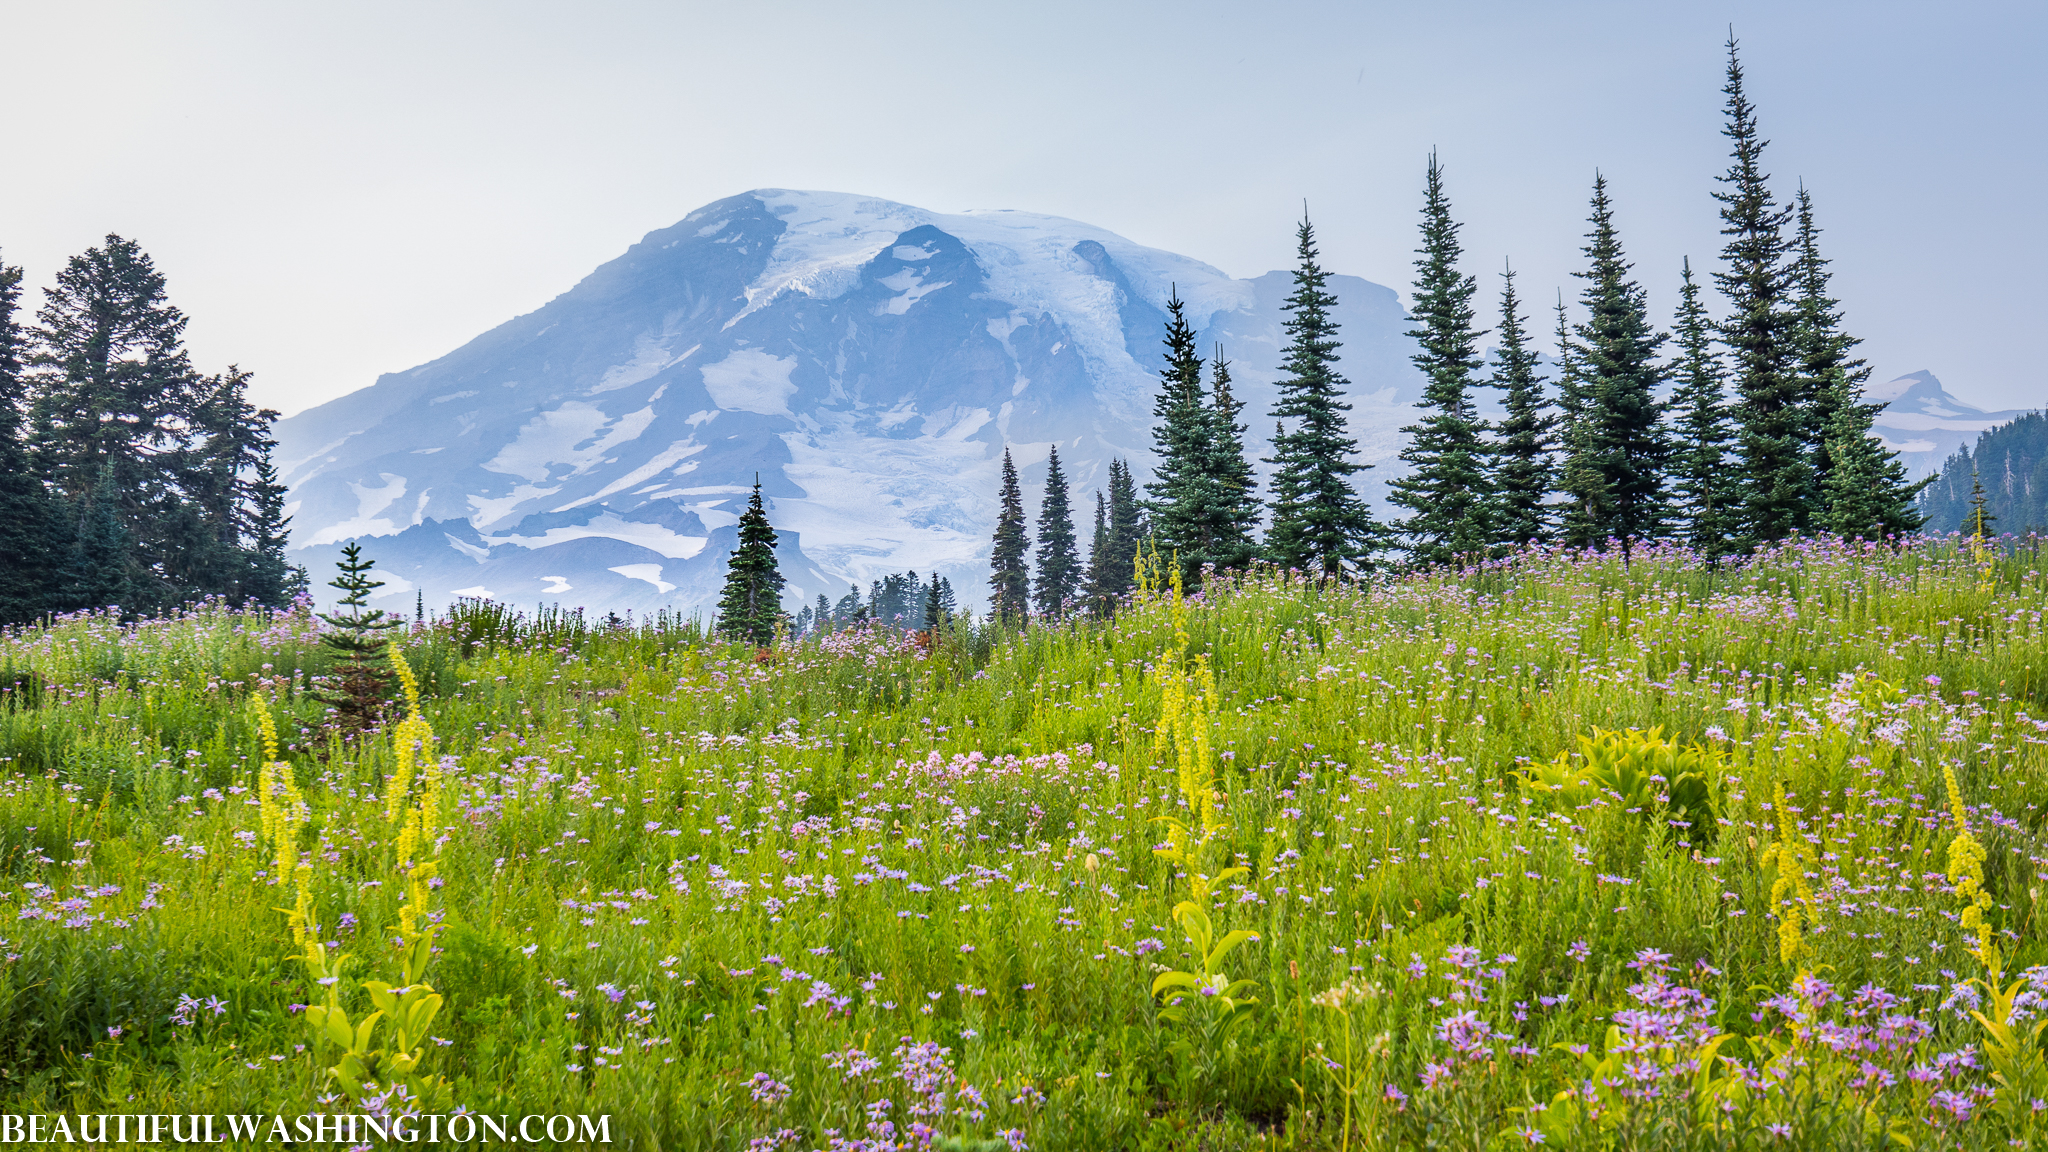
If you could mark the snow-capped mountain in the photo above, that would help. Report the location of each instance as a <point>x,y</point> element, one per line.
<point>1924,424</point>
<point>868,360</point>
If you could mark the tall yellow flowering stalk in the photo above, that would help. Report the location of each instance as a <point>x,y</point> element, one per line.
<point>1187,710</point>
<point>280,822</point>
<point>411,739</point>
<point>1966,872</point>
<point>1791,897</point>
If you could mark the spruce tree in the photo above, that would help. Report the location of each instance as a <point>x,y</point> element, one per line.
<point>1237,507</point>
<point>1772,440</point>
<point>1127,528</point>
<point>1621,438</point>
<point>1059,565</point>
<point>1445,489</point>
<point>1318,521</point>
<point>355,640</point>
<point>1009,582</point>
<point>1576,476</point>
<point>1978,523</point>
<point>98,572</point>
<point>750,606</point>
<point>1828,375</point>
<point>1181,492</point>
<point>1521,480</point>
<point>1706,497</point>
<point>29,527</point>
<point>1099,600</point>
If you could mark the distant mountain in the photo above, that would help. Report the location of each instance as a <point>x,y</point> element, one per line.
<point>1924,424</point>
<point>866,359</point>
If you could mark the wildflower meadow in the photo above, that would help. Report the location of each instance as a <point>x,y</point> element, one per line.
<point>1563,850</point>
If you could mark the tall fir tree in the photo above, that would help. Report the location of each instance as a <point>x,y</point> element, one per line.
<point>750,605</point>
<point>1237,503</point>
<point>1772,438</point>
<point>1445,489</point>
<point>1576,476</point>
<point>1521,483</point>
<point>1099,601</point>
<point>355,640</point>
<point>1009,581</point>
<point>1706,498</point>
<point>1319,523</point>
<point>1828,375</point>
<point>1181,495</point>
<point>1621,435</point>
<point>1059,565</point>
<point>1977,525</point>
<point>31,538</point>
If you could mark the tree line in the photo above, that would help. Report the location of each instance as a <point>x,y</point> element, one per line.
<point>1723,433</point>
<point>127,477</point>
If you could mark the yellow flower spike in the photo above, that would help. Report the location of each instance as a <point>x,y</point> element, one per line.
<point>1791,898</point>
<point>1966,872</point>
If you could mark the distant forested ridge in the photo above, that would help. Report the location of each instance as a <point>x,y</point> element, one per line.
<point>2011,462</point>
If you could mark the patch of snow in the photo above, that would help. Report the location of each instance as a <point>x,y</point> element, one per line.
<point>663,460</point>
<point>452,396</point>
<point>651,573</point>
<point>909,288</point>
<point>467,549</point>
<point>491,510</point>
<point>370,501</point>
<point>477,593</point>
<point>750,380</point>
<point>610,526</point>
<point>569,435</point>
<point>557,586</point>
<point>429,451</point>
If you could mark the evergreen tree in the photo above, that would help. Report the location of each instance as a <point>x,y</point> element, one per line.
<point>1706,497</point>
<point>1776,464</point>
<point>1009,582</point>
<point>1126,528</point>
<point>355,640</point>
<point>1621,439</point>
<point>1445,490</point>
<point>750,606</point>
<point>1828,375</point>
<point>1978,523</point>
<point>1181,491</point>
<point>822,614</point>
<point>114,390</point>
<point>1059,565</point>
<point>1576,476</point>
<point>1319,523</point>
<point>1099,601</point>
<point>97,573</point>
<point>29,527</point>
<point>1521,481</point>
<point>1237,485</point>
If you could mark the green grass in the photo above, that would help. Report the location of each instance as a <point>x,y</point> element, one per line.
<point>672,869</point>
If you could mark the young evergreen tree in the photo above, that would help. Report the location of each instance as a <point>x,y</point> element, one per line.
<point>1319,523</point>
<point>1059,565</point>
<point>750,606</point>
<point>355,640</point>
<point>29,525</point>
<point>1576,477</point>
<point>1445,489</point>
<point>1237,505</point>
<point>1621,436</point>
<point>1978,523</point>
<point>1706,497</point>
<point>97,573</point>
<point>1009,581</point>
<point>1127,527</point>
<point>1521,482</point>
<point>1100,602</point>
<point>1772,439</point>
<point>1182,492</point>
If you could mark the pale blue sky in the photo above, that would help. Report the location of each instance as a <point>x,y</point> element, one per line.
<point>341,190</point>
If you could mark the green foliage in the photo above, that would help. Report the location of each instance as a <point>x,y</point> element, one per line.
<point>1522,479</point>
<point>1010,581</point>
<point>1059,565</point>
<point>2015,457</point>
<point>750,605</point>
<point>1446,490</point>
<point>1639,771</point>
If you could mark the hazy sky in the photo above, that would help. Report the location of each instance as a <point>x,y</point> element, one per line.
<point>341,190</point>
